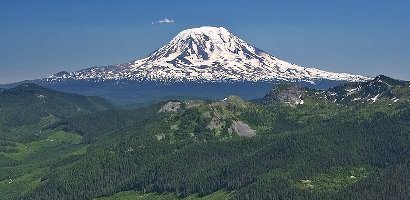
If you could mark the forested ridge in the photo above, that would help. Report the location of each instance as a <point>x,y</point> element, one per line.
<point>321,149</point>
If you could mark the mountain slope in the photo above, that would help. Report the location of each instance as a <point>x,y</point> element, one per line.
<point>381,88</point>
<point>31,138</point>
<point>29,103</point>
<point>207,54</point>
<point>316,150</point>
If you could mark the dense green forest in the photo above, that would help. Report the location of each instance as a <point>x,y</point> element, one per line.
<point>323,147</point>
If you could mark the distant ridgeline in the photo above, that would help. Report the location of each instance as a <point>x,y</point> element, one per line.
<point>130,91</point>
<point>347,142</point>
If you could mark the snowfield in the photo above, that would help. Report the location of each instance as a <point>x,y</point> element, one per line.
<point>207,54</point>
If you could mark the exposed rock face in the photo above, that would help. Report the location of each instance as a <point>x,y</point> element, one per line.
<point>243,129</point>
<point>285,93</point>
<point>172,106</point>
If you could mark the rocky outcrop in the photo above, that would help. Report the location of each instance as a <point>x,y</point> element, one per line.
<point>243,129</point>
<point>285,93</point>
<point>171,106</point>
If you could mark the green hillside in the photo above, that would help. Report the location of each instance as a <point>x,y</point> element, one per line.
<point>31,142</point>
<point>295,143</point>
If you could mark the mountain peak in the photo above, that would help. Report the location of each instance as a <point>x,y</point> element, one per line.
<point>205,33</point>
<point>196,45</point>
<point>204,30</point>
<point>388,80</point>
<point>208,54</point>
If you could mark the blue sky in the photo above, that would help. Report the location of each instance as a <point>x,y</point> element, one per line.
<point>39,38</point>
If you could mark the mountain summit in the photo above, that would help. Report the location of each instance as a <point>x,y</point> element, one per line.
<point>207,54</point>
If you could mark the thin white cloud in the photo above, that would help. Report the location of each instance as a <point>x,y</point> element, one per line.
<point>164,21</point>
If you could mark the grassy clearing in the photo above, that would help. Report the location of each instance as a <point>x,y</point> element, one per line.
<point>30,132</point>
<point>334,179</point>
<point>33,160</point>
<point>24,151</point>
<point>13,186</point>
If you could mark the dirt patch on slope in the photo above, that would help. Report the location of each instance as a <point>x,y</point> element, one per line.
<point>243,129</point>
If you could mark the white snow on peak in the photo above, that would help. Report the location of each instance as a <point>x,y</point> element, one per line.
<point>209,54</point>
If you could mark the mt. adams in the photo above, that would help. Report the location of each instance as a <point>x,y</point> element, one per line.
<point>207,54</point>
<point>205,62</point>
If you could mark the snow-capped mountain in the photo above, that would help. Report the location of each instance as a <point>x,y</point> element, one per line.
<point>207,54</point>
